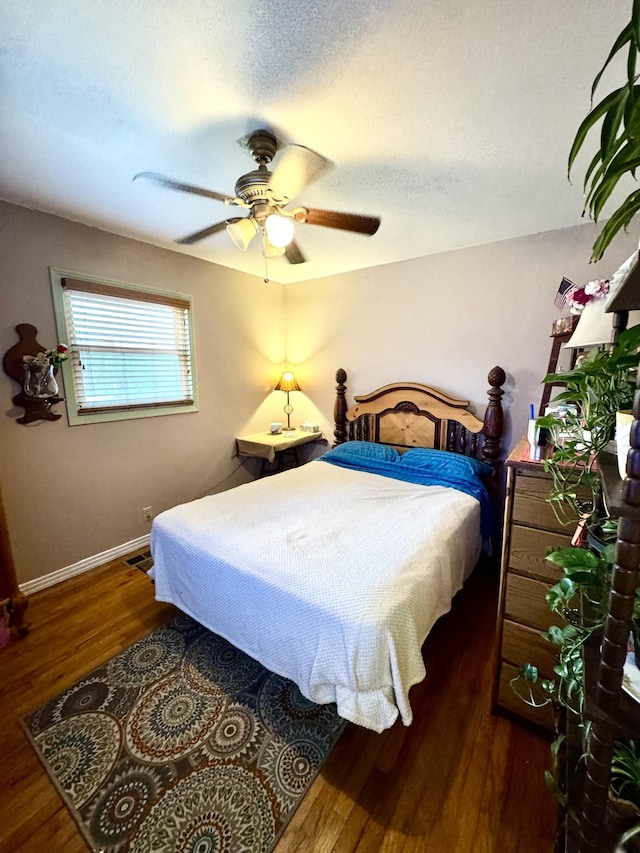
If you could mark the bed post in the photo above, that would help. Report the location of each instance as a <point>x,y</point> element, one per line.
<point>494,418</point>
<point>340,409</point>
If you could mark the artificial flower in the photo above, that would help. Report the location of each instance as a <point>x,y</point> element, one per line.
<point>578,297</point>
<point>48,357</point>
<point>598,288</point>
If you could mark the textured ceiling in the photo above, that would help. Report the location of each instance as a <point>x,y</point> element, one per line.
<point>450,120</point>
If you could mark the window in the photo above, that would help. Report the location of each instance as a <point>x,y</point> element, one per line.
<point>130,349</point>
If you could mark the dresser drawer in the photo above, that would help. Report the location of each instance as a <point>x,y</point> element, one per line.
<point>531,507</point>
<point>527,551</point>
<point>526,602</point>
<point>511,700</point>
<point>522,644</point>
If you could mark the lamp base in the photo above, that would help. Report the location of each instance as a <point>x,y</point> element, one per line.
<point>288,429</point>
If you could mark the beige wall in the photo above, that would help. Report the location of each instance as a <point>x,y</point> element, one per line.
<point>74,492</point>
<point>445,320</point>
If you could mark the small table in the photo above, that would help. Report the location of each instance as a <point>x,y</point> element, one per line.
<point>268,447</point>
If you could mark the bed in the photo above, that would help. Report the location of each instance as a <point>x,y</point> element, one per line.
<point>332,574</point>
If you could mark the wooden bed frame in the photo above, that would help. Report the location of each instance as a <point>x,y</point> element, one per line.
<point>407,414</point>
<point>363,648</point>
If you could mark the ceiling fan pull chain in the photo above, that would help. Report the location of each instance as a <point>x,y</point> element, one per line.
<point>266,273</point>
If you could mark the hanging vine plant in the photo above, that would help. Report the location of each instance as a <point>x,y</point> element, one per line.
<point>619,152</point>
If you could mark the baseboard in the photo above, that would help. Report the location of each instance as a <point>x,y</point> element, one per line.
<point>29,587</point>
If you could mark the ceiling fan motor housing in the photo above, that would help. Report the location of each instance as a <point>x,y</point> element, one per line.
<point>263,146</point>
<point>254,186</point>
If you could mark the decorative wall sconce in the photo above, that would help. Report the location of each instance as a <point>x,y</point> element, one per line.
<point>39,389</point>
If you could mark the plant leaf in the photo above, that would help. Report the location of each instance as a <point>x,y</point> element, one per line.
<point>597,158</point>
<point>594,116</point>
<point>585,578</point>
<point>594,178</point>
<point>553,788</point>
<point>629,340</point>
<point>625,36</point>
<point>611,124</point>
<point>529,672</point>
<point>555,635</point>
<point>573,558</point>
<point>631,58</point>
<point>635,21</point>
<point>620,218</point>
<point>619,166</point>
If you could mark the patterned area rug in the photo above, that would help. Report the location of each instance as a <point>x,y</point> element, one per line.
<point>182,743</point>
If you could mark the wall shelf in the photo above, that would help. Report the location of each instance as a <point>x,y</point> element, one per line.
<point>35,408</point>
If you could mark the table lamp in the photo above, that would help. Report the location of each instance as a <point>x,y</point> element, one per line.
<point>288,383</point>
<point>595,327</point>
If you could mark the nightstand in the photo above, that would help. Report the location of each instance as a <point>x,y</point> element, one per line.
<point>281,448</point>
<point>530,529</point>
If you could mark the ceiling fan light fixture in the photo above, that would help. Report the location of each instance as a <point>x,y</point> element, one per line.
<point>265,194</point>
<point>242,232</point>
<point>279,230</point>
<point>271,251</point>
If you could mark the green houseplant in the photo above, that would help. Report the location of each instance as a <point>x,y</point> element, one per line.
<point>618,117</point>
<point>600,384</point>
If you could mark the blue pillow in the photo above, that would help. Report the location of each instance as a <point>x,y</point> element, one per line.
<point>433,461</point>
<point>361,452</point>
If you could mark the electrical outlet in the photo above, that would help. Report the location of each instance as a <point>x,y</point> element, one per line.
<point>146,512</point>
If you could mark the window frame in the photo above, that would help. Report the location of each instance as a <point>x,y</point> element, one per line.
<point>145,410</point>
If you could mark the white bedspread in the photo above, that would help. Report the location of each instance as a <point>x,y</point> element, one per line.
<point>330,577</point>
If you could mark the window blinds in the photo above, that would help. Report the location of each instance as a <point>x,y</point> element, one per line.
<point>128,348</point>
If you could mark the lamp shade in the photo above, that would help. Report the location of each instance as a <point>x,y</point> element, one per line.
<point>626,274</point>
<point>242,232</point>
<point>279,230</point>
<point>271,251</point>
<point>287,382</point>
<point>595,326</point>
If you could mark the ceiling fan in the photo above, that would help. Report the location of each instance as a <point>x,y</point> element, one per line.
<point>266,195</point>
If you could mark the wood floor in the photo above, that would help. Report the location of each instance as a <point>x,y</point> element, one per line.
<point>458,780</point>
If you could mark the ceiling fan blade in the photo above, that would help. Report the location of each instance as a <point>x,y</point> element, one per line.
<point>345,221</point>
<point>178,185</point>
<point>295,168</point>
<point>206,232</point>
<point>293,253</point>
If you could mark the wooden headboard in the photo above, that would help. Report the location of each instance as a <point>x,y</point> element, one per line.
<point>407,414</point>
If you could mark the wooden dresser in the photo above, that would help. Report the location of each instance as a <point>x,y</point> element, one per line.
<point>530,528</point>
